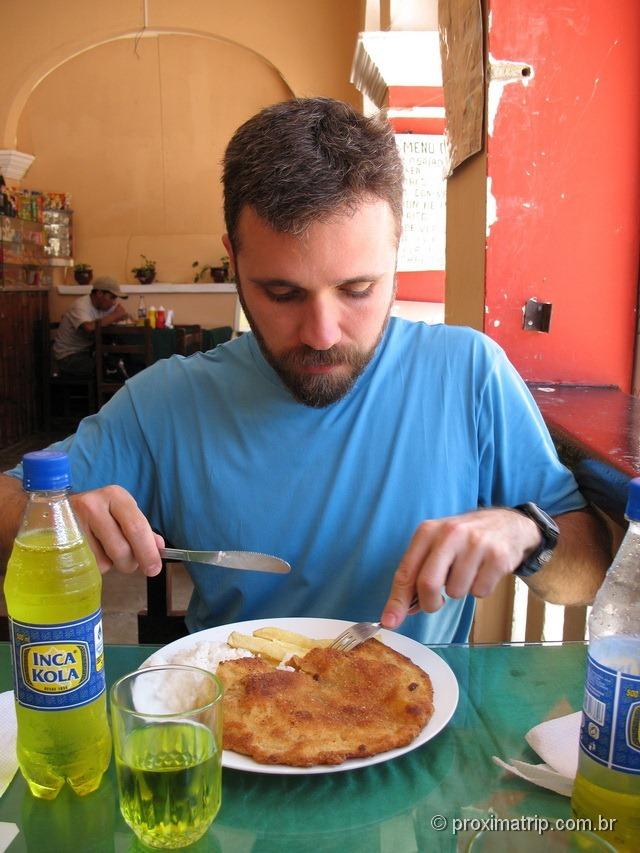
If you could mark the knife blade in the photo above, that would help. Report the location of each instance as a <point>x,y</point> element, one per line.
<point>249,561</point>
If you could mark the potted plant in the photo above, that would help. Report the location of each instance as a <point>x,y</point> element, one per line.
<point>83,273</point>
<point>218,274</point>
<point>146,272</point>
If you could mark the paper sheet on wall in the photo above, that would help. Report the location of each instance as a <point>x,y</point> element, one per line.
<point>422,246</point>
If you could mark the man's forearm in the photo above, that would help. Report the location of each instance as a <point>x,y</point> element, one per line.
<point>12,503</point>
<point>579,563</point>
<point>109,319</point>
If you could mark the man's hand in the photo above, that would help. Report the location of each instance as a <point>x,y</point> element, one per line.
<point>118,313</point>
<point>461,554</point>
<point>118,533</point>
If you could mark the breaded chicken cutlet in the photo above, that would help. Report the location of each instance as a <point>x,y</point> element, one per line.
<point>332,707</point>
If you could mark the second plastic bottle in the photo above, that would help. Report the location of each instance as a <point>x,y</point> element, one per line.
<point>607,787</point>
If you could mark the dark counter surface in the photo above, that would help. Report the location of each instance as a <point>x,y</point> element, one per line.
<point>597,432</point>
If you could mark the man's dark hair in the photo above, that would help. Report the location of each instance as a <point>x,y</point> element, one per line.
<point>300,161</point>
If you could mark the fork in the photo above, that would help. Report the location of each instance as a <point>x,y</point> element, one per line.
<point>359,632</point>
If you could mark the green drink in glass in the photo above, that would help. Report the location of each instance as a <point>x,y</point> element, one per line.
<point>167,728</point>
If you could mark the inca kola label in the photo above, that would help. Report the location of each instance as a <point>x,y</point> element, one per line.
<point>58,668</point>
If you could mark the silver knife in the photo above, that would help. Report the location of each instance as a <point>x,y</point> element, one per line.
<point>247,560</point>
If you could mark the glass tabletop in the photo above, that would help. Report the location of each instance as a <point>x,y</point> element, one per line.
<point>399,806</point>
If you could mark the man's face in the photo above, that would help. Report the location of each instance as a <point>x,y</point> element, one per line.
<point>318,303</point>
<point>103,300</point>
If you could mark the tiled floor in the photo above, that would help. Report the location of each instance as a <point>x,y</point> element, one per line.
<point>122,595</point>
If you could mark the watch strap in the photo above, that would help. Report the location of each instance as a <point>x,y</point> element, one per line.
<point>549,533</point>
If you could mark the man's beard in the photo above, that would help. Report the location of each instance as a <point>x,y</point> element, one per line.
<point>316,389</point>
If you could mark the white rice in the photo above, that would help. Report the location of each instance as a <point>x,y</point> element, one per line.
<point>204,655</point>
<point>174,692</point>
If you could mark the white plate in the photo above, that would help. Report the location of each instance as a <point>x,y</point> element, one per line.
<point>445,686</point>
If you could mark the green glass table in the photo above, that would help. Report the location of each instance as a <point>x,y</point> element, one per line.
<point>398,806</point>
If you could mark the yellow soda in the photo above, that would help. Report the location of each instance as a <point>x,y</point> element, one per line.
<point>607,787</point>
<point>52,589</point>
<point>170,782</point>
<point>610,800</point>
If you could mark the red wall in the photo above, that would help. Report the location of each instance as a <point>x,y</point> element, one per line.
<point>564,164</point>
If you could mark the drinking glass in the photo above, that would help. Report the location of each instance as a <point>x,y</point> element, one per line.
<point>167,738</point>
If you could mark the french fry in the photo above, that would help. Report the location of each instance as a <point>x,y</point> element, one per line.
<point>279,634</point>
<point>272,649</point>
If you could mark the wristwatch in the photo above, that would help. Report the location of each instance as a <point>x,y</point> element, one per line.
<point>549,531</point>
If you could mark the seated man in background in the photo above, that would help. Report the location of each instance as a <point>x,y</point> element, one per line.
<point>383,459</point>
<point>73,344</point>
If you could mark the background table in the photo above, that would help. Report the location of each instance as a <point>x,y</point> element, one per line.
<point>166,342</point>
<point>386,808</point>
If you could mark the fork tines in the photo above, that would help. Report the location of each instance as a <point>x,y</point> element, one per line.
<point>354,635</point>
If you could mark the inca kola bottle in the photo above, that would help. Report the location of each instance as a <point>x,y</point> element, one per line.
<point>53,591</point>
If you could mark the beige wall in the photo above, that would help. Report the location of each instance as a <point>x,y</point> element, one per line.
<point>208,310</point>
<point>134,128</point>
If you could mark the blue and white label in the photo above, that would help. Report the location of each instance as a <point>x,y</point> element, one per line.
<point>610,732</point>
<point>56,667</point>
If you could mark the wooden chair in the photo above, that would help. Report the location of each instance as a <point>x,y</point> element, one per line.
<point>211,338</point>
<point>120,342</point>
<point>160,623</point>
<point>240,322</point>
<point>188,339</point>
<point>66,399</point>
<point>514,614</point>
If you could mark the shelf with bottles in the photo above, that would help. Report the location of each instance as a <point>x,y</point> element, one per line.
<point>11,280</point>
<point>19,276</point>
<point>21,238</point>
<point>47,215</point>
<point>23,261</point>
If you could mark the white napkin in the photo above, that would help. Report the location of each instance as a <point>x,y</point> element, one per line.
<point>8,733</point>
<point>556,742</point>
<point>8,832</point>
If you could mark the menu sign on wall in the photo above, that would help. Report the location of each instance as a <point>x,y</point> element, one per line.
<point>422,246</point>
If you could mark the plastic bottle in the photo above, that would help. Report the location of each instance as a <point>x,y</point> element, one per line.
<point>53,591</point>
<point>142,311</point>
<point>160,317</point>
<point>607,787</point>
<point>151,316</point>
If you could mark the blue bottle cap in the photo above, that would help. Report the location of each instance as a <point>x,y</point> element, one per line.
<point>632,511</point>
<point>45,471</point>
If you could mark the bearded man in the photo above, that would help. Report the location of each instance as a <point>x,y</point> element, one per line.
<point>381,458</point>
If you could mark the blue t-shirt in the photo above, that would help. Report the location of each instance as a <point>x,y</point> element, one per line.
<point>219,455</point>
